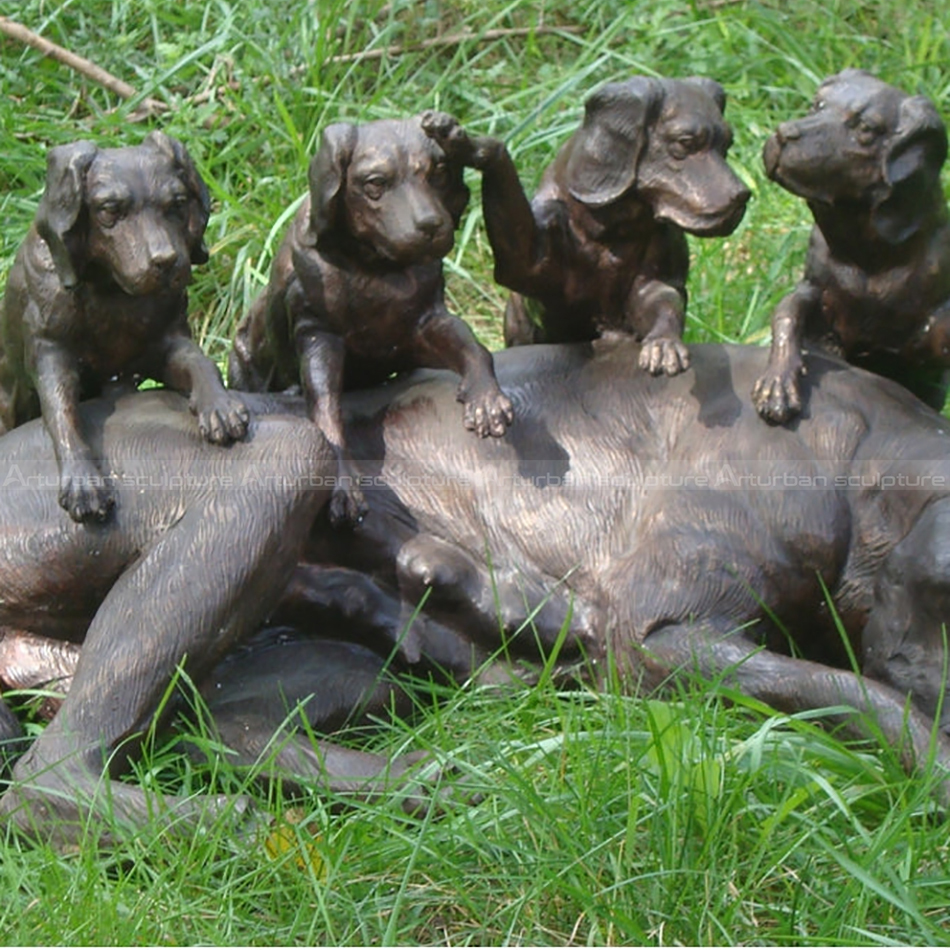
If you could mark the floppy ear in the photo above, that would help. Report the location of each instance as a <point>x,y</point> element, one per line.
<point>711,88</point>
<point>326,176</point>
<point>605,151</point>
<point>199,208</point>
<point>912,162</point>
<point>59,217</point>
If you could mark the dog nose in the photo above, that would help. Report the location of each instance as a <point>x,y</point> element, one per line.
<point>429,224</point>
<point>161,254</point>
<point>788,132</point>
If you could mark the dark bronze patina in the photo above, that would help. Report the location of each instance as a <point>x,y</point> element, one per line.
<point>876,288</point>
<point>356,292</point>
<point>98,292</point>
<point>615,497</point>
<point>601,247</point>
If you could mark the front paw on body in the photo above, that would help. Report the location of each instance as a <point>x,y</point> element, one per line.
<point>84,492</point>
<point>777,395</point>
<point>487,413</point>
<point>224,419</point>
<point>666,355</point>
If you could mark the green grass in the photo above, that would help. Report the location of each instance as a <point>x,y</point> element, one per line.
<point>605,819</point>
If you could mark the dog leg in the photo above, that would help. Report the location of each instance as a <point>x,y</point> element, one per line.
<point>222,416</point>
<point>243,542</point>
<point>444,341</point>
<point>519,328</point>
<point>16,396</point>
<point>338,598</point>
<point>267,701</point>
<point>793,685</point>
<point>28,661</point>
<point>513,233</point>
<point>504,605</point>
<point>12,741</point>
<point>776,394</point>
<point>83,490</point>
<point>322,356</point>
<point>918,368</point>
<point>663,308</point>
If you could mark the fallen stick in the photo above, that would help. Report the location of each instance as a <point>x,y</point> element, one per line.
<point>81,65</point>
<point>453,39</point>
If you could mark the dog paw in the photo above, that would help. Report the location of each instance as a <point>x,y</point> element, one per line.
<point>448,134</point>
<point>347,507</point>
<point>666,355</point>
<point>84,492</point>
<point>489,413</point>
<point>225,420</point>
<point>777,396</point>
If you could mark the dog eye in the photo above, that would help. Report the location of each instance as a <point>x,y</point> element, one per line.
<point>439,172</point>
<point>684,146</point>
<point>108,213</point>
<point>374,186</point>
<point>177,204</point>
<point>868,132</point>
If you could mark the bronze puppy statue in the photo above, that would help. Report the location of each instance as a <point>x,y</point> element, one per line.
<point>670,526</point>
<point>876,287</point>
<point>356,291</point>
<point>98,291</point>
<point>601,247</point>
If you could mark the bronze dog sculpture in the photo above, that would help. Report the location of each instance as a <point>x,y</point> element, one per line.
<point>98,291</point>
<point>682,542</point>
<point>602,246</point>
<point>876,287</point>
<point>356,291</point>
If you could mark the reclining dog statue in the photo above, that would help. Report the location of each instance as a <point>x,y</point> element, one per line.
<point>656,515</point>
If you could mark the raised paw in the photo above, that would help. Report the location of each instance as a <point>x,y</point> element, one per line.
<point>777,395</point>
<point>666,355</point>
<point>84,492</point>
<point>225,420</point>
<point>446,131</point>
<point>488,413</point>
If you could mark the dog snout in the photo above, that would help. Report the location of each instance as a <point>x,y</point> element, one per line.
<point>432,227</point>
<point>429,224</point>
<point>788,132</point>
<point>161,252</point>
<point>146,258</point>
<point>428,218</point>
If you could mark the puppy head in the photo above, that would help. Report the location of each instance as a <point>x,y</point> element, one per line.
<point>134,216</point>
<point>663,141</point>
<point>865,145</point>
<point>384,192</point>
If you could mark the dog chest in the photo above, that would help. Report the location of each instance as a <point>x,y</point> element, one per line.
<point>114,332</point>
<point>376,312</point>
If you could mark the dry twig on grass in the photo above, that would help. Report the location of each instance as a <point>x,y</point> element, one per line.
<point>78,63</point>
